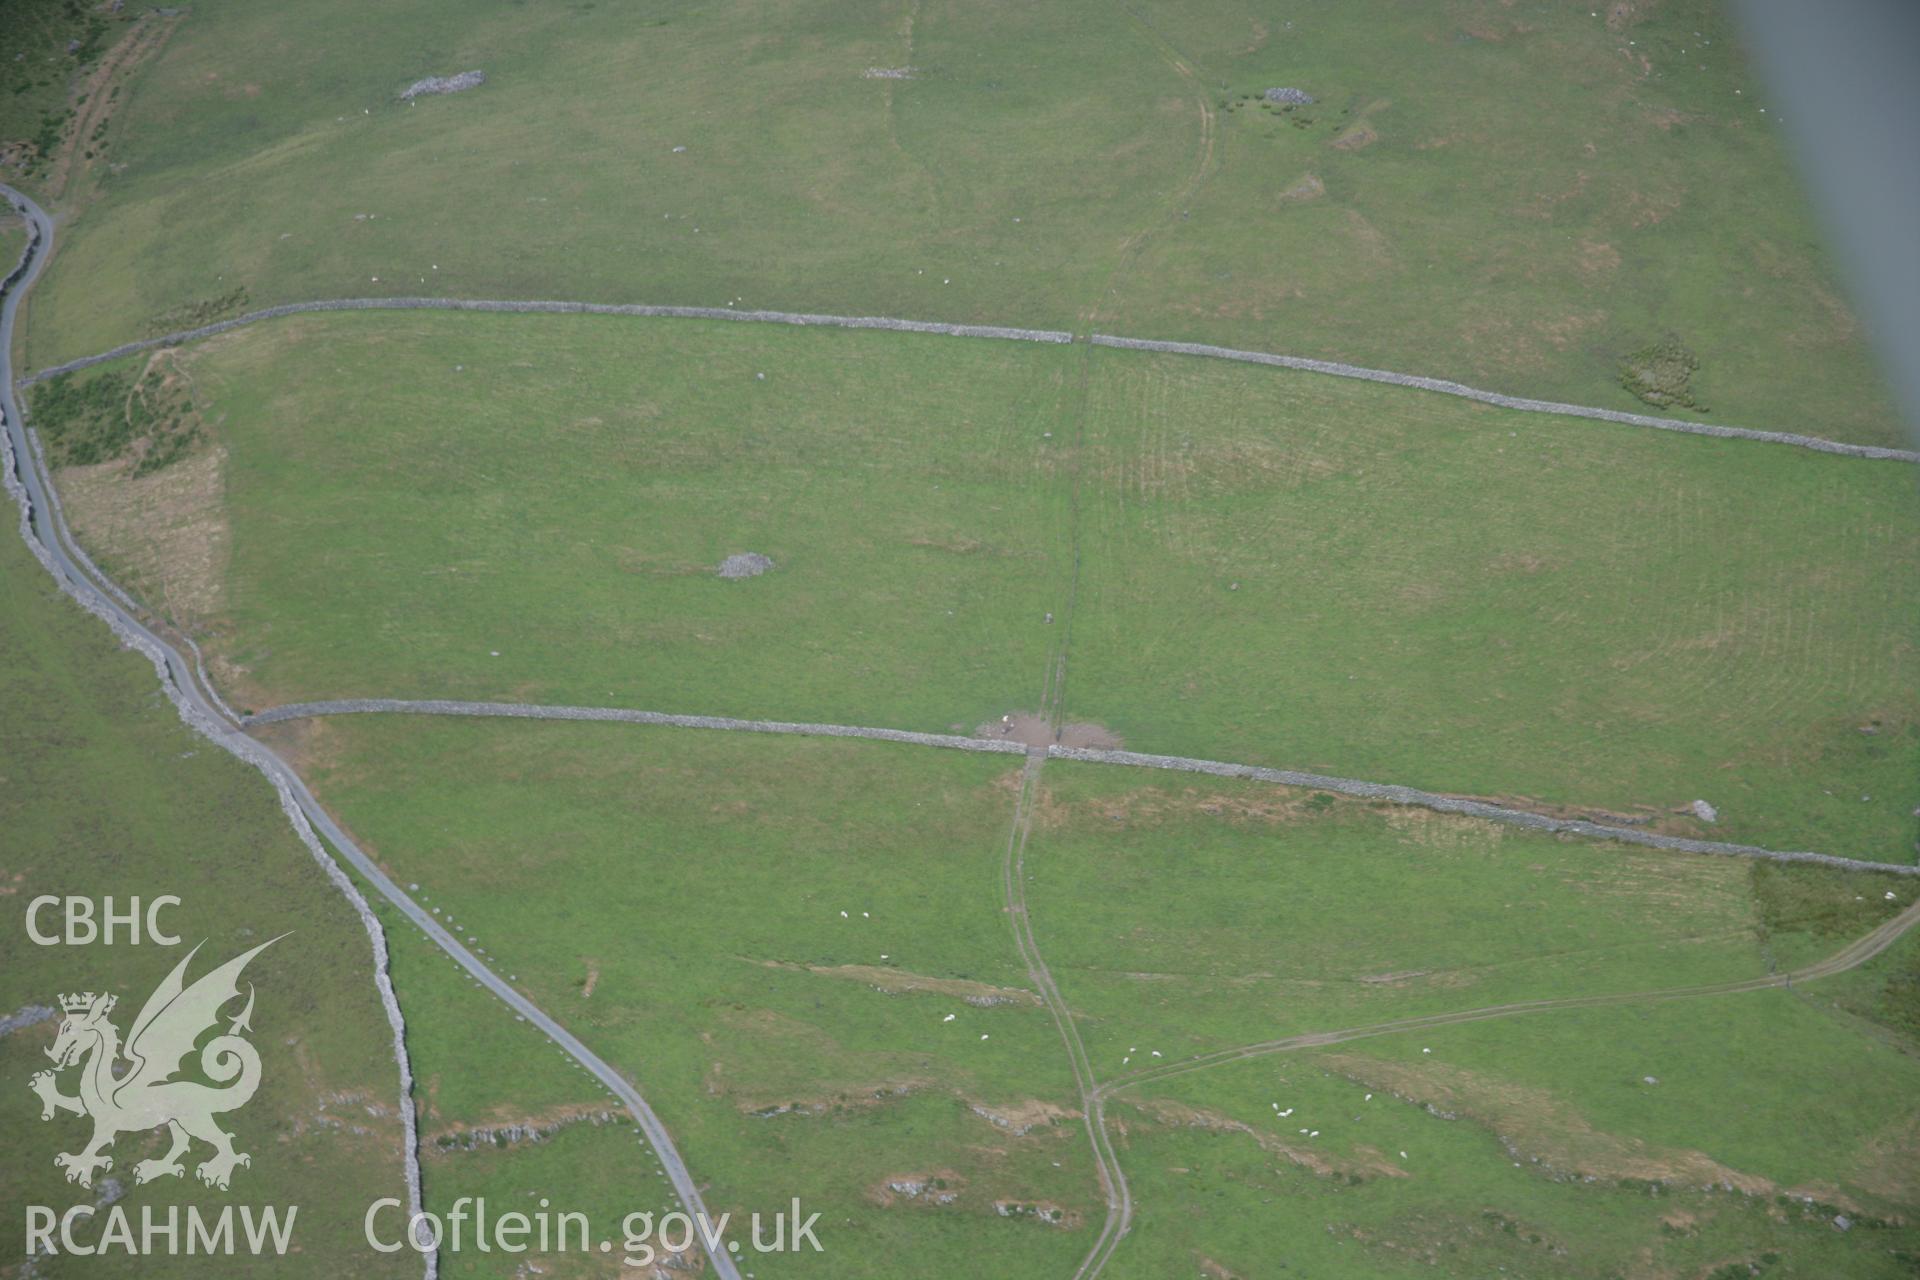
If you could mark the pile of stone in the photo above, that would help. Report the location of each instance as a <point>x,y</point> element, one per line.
<point>27,1017</point>
<point>746,564</point>
<point>1292,97</point>
<point>443,84</point>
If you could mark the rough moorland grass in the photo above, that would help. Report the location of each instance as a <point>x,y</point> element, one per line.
<point>1187,916</point>
<point>1517,198</point>
<point>672,896</point>
<point>1298,571</point>
<point>105,792</point>
<point>1535,198</point>
<point>1001,182</point>
<point>537,511</point>
<point>1533,1144</point>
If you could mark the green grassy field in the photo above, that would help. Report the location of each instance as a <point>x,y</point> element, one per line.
<point>1274,568</point>
<point>1300,571</point>
<point>1180,915</point>
<point>798,949</point>
<point>1521,1155</point>
<point>506,1116</point>
<point>1061,165</point>
<point>1516,198</point>
<point>1191,915</point>
<point>675,898</point>
<point>904,491</point>
<point>104,792</point>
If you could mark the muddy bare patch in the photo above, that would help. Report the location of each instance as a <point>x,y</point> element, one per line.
<point>1033,730</point>
<point>1306,187</point>
<point>1022,1118</point>
<point>896,982</point>
<point>1361,133</point>
<point>1355,136</point>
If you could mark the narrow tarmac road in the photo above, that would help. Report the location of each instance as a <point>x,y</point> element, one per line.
<point>52,544</point>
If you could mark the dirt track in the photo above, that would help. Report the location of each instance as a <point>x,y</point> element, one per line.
<point>1852,956</point>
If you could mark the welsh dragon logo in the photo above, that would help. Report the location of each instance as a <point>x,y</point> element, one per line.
<point>124,1089</point>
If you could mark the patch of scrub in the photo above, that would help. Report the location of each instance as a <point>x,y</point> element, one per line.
<point>199,312</point>
<point>1661,374</point>
<point>150,418</point>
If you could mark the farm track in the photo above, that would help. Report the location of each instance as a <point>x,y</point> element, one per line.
<point>1113,1180</point>
<point>1358,788</point>
<point>46,535</point>
<point>192,683</point>
<point>1333,368</point>
<point>1852,956</point>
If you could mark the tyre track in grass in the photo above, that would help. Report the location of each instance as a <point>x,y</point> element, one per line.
<point>1113,1180</point>
<point>1851,956</point>
<point>52,544</point>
